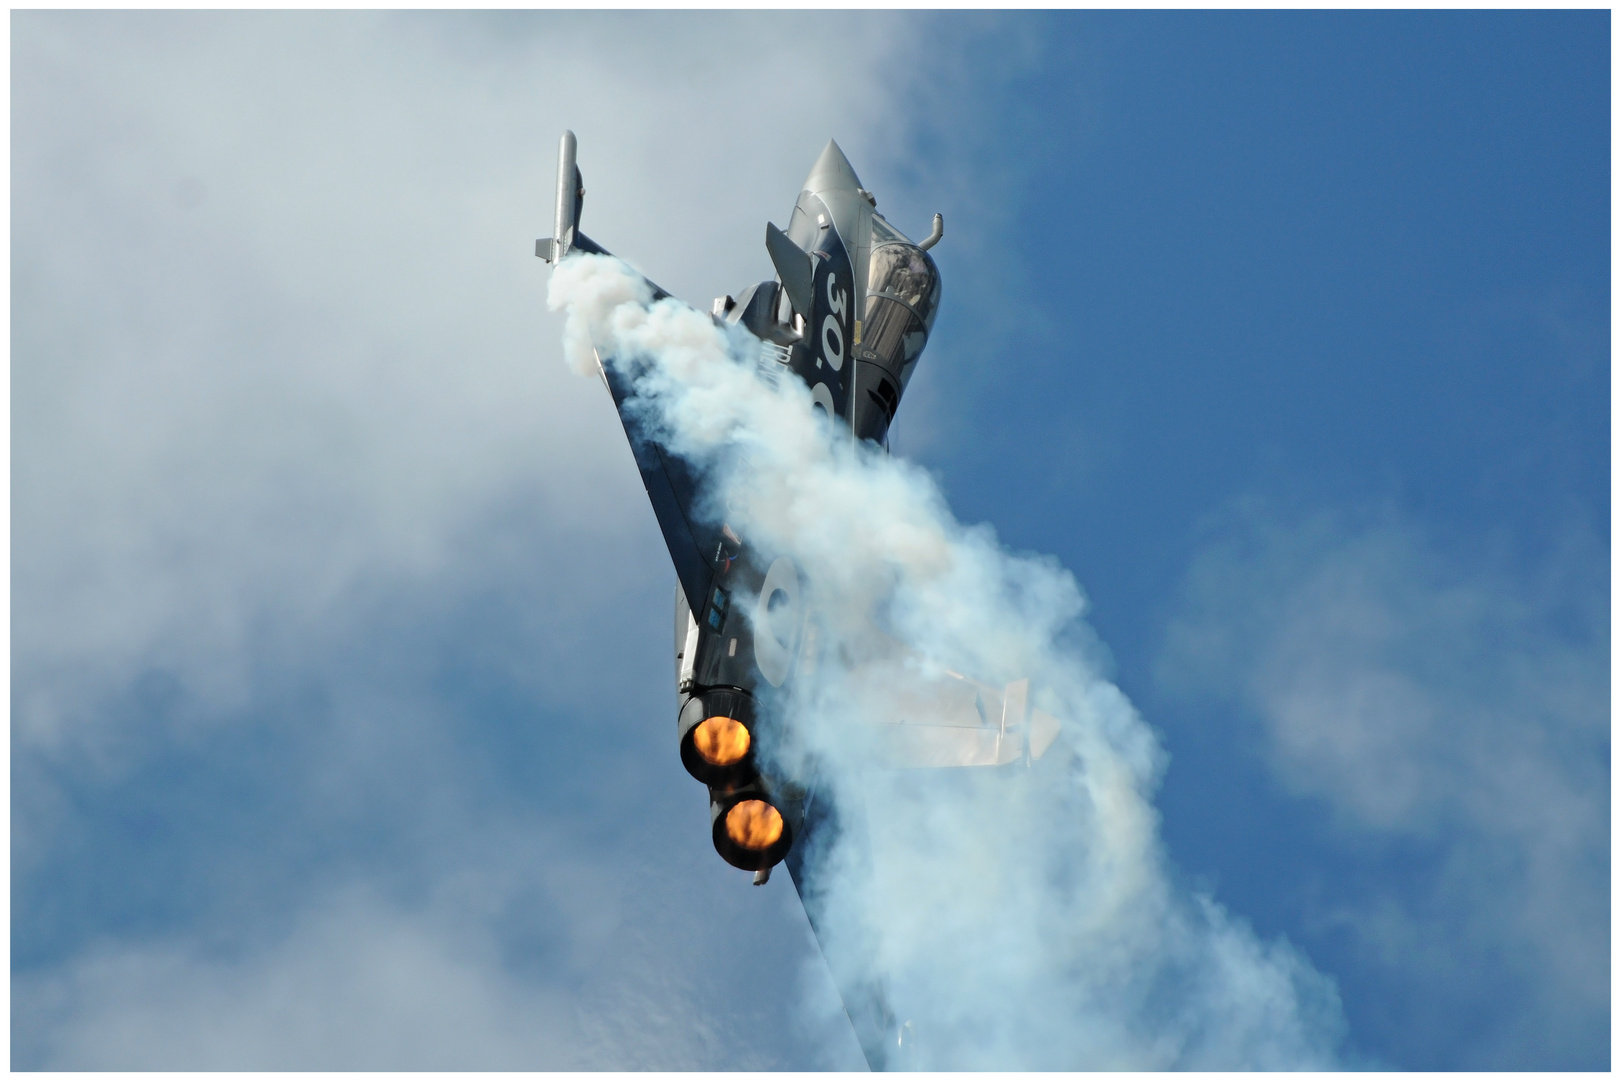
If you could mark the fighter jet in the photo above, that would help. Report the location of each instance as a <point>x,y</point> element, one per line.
<point>848,311</point>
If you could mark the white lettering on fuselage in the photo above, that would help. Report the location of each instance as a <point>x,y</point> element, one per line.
<point>832,327</point>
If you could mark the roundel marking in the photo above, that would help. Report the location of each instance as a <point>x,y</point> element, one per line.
<point>778,618</point>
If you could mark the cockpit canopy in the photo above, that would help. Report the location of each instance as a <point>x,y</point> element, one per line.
<point>902,296</point>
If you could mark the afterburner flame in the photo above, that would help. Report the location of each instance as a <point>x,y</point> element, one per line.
<point>720,740</point>
<point>754,824</point>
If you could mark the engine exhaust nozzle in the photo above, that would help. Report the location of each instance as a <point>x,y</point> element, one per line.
<point>716,729</point>
<point>750,830</point>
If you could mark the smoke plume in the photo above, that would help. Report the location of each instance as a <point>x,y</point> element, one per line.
<point>1015,918</point>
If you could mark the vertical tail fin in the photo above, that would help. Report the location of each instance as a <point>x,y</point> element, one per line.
<point>570,200</point>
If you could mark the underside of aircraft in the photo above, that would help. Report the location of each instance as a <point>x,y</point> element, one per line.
<point>848,312</point>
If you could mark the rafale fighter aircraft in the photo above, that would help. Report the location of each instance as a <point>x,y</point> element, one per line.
<point>848,312</point>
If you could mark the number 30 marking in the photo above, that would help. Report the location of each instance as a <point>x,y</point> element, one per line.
<point>832,331</point>
<point>832,342</point>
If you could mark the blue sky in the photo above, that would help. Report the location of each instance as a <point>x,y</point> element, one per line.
<point>341,710</point>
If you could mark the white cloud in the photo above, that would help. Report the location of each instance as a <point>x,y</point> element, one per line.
<point>1015,919</point>
<point>277,322</point>
<point>355,986</point>
<point>1463,708</point>
<point>383,899</point>
<point>358,982</point>
<point>285,392</point>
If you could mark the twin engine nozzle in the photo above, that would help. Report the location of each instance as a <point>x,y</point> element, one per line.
<point>749,830</point>
<point>717,733</point>
<point>716,729</point>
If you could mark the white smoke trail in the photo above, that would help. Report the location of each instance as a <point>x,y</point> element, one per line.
<point>1019,919</point>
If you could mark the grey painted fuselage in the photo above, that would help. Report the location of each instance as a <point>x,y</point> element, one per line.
<point>848,312</point>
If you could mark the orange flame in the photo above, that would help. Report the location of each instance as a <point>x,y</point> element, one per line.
<point>754,824</point>
<point>720,740</point>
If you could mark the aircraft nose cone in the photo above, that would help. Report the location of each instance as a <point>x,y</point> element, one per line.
<point>832,172</point>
